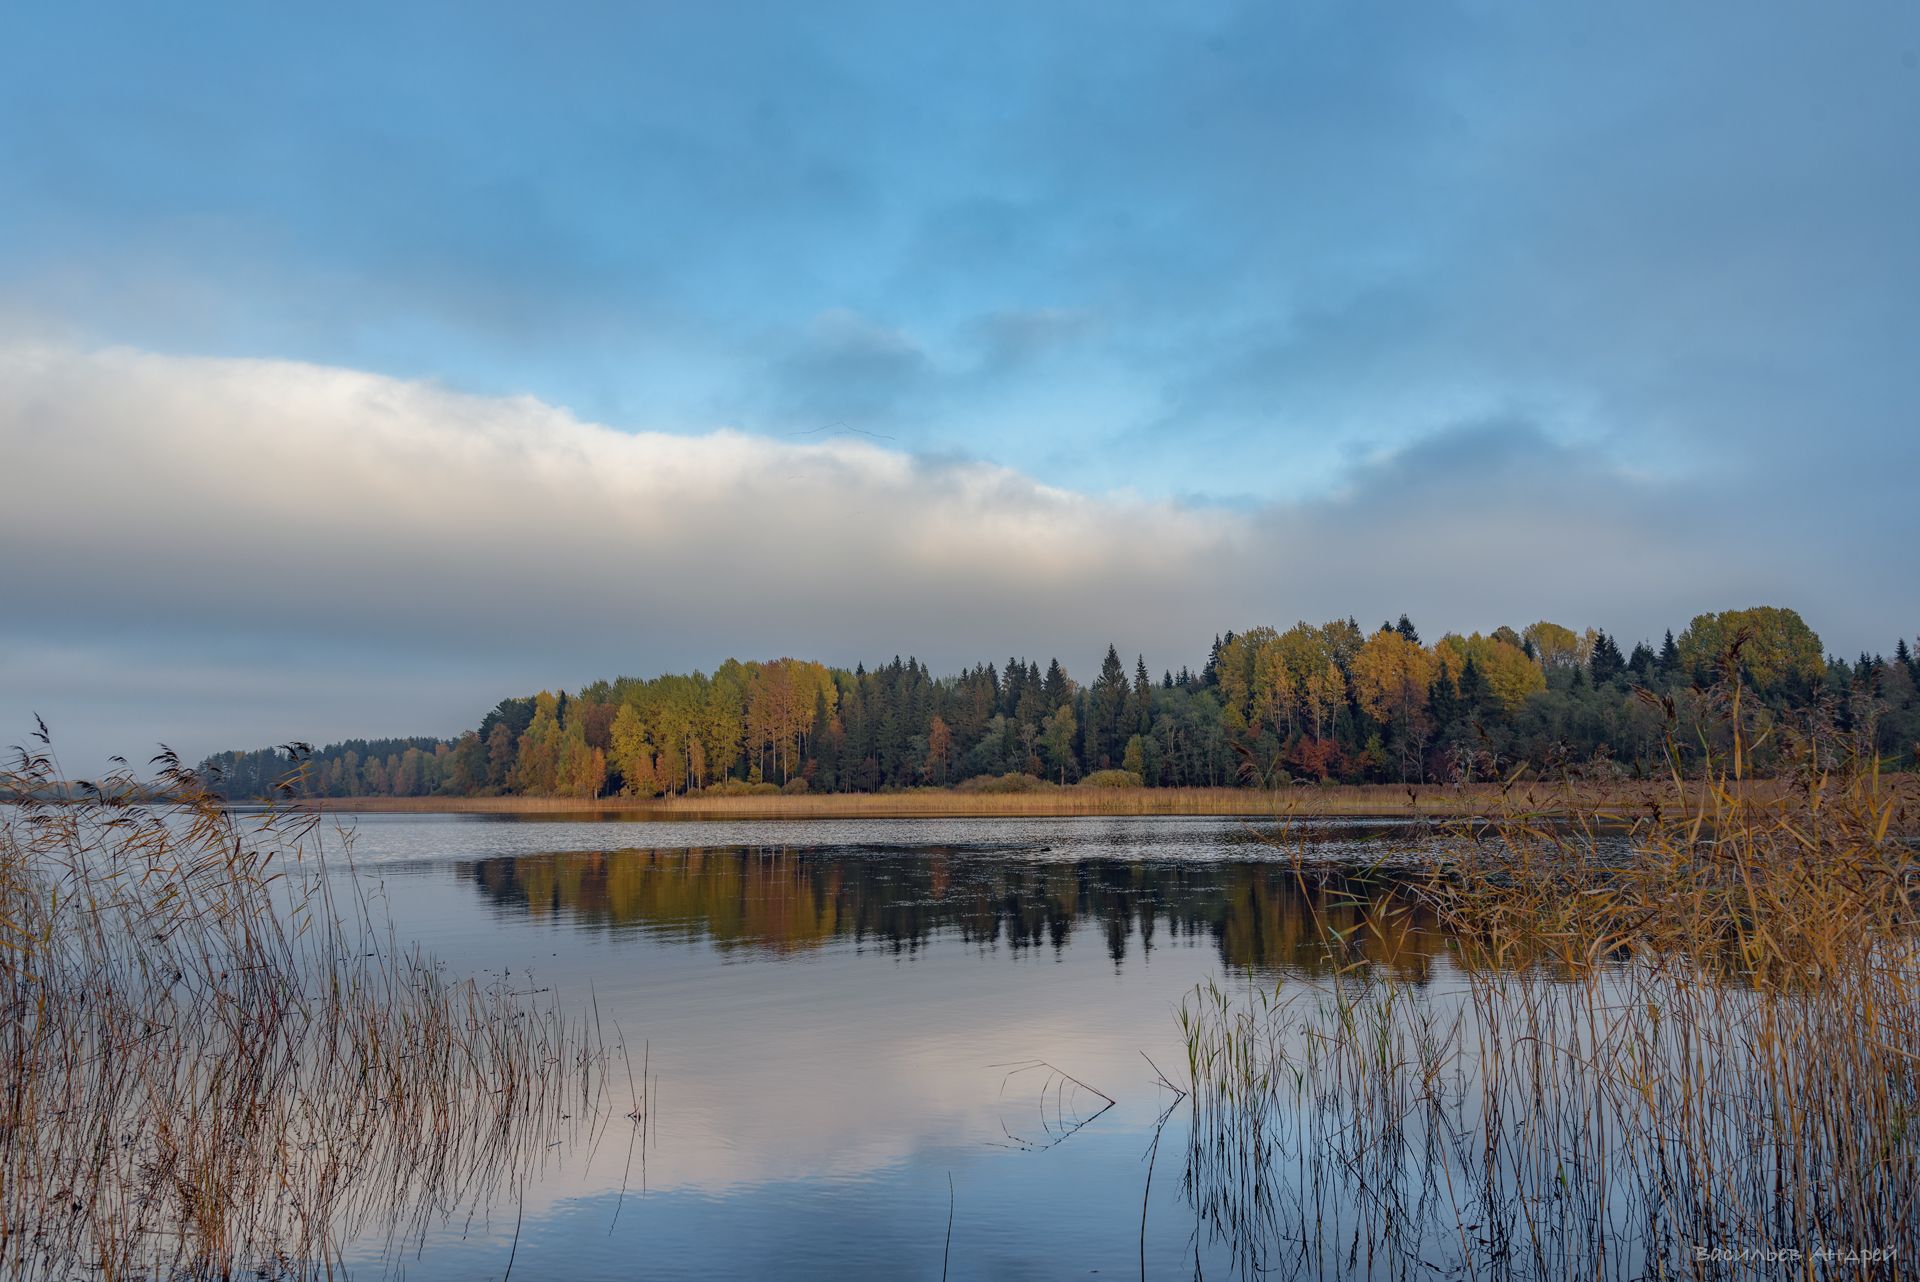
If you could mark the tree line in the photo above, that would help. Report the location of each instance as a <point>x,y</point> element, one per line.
<point>1315,703</point>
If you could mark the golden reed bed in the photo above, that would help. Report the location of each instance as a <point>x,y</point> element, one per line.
<point>1305,802</point>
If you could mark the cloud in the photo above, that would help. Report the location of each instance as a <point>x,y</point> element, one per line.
<point>1304,230</point>
<point>844,366</point>
<point>216,551</point>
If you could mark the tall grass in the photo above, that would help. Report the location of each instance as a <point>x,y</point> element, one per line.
<point>1692,1050</point>
<point>215,1060</point>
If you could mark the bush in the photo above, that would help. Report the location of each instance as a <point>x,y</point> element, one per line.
<point>739,788</point>
<point>1112,779</point>
<point>1012,781</point>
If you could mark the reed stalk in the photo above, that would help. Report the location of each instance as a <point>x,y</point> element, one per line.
<point>216,1061</point>
<point>1689,1049</point>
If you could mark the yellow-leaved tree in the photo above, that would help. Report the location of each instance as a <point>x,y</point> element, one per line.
<point>1256,690</point>
<point>1556,647</point>
<point>1510,676</point>
<point>1312,659</point>
<point>537,764</point>
<point>1390,679</point>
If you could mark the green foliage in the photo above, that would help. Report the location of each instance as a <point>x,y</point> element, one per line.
<point>1009,782</point>
<point>1773,647</point>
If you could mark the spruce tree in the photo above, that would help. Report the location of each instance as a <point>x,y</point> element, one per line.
<point>1443,701</point>
<point>1055,686</point>
<point>1473,687</point>
<point>1108,714</point>
<point>820,748</point>
<point>1605,662</point>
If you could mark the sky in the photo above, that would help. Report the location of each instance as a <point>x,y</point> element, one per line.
<point>361,365</point>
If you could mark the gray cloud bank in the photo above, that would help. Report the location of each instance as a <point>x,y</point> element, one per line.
<point>232,552</point>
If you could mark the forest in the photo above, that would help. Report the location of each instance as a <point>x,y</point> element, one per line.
<point>1325,703</point>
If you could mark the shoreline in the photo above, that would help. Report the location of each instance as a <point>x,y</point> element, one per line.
<point>1367,801</point>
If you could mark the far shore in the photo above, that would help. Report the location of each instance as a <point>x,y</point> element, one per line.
<point>1382,801</point>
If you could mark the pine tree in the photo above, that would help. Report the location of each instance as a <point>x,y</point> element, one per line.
<point>1669,654</point>
<point>1406,629</point>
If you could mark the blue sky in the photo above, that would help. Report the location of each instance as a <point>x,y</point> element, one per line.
<point>1316,269</point>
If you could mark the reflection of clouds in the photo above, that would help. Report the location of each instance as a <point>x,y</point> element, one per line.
<point>824,1067</point>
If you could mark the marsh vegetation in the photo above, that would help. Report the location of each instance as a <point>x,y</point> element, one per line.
<point>218,1060</point>
<point>1696,1053</point>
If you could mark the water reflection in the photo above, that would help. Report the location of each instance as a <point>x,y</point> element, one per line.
<point>866,1028</point>
<point>776,902</point>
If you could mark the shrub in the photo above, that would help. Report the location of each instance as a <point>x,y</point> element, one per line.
<point>738,788</point>
<point>1012,781</point>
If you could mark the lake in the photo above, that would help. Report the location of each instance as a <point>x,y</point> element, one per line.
<point>880,1048</point>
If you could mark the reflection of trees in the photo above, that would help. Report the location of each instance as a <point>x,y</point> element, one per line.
<point>1260,915</point>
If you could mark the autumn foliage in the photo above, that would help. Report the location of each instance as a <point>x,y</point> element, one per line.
<point>1316,703</point>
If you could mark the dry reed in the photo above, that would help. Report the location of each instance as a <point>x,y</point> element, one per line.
<point>1689,1050</point>
<point>1302,801</point>
<point>218,1062</point>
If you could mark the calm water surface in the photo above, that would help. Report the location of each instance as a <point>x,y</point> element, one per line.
<point>837,1013</point>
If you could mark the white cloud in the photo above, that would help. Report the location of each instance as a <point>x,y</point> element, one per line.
<point>330,531</point>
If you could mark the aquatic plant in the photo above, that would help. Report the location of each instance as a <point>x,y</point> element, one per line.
<point>1687,1047</point>
<point>216,1060</point>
